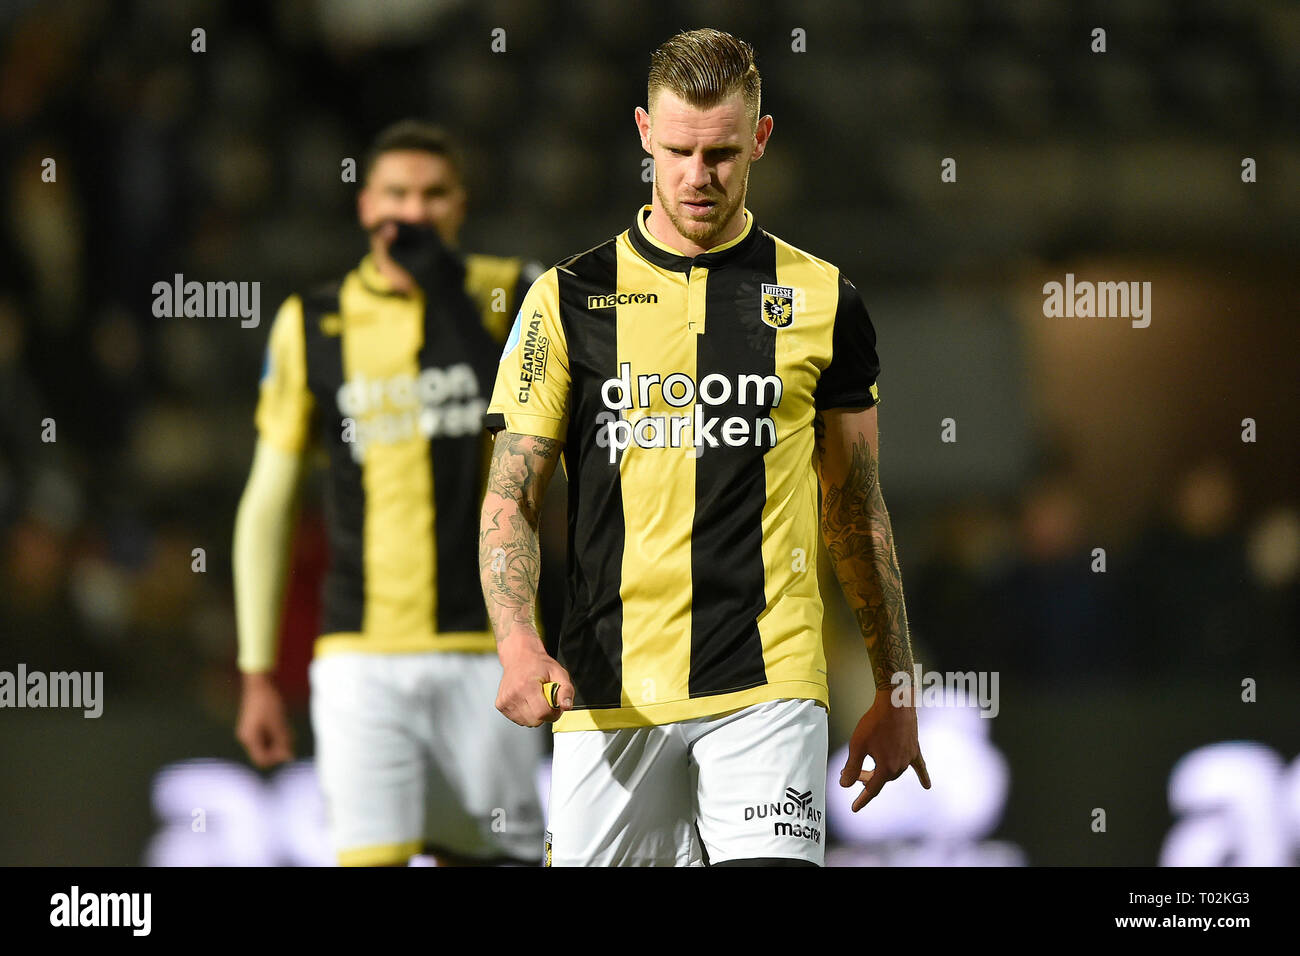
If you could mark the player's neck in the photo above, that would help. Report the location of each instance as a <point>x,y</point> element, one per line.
<point>661,227</point>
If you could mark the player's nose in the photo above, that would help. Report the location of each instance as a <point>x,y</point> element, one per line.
<point>415,213</point>
<point>698,175</point>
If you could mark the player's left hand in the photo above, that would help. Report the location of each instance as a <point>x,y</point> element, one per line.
<point>886,733</point>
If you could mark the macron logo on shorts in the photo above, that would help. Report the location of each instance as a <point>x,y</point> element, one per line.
<point>793,815</point>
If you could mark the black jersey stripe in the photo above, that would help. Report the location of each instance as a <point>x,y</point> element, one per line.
<point>453,332</point>
<point>344,588</point>
<point>457,469</point>
<point>731,485</point>
<point>590,645</point>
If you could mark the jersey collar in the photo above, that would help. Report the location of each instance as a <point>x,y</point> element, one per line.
<point>373,280</point>
<point>666,257</point>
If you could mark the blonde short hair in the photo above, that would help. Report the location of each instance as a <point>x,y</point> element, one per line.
<point>705,67</point>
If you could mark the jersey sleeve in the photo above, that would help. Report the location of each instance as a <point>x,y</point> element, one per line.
<point>529,272</point>
<point>849,379</point>
<point>497,286</point>
<point>531,394</point>
<point>285,404</point>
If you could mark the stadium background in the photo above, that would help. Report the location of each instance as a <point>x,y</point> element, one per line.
<point>1072,434</point>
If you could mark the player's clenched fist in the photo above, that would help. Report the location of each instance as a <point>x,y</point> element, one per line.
<point>524,696</point>
<point>263,728</point>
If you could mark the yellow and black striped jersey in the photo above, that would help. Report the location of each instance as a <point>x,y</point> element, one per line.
<point>394,393</point>
<point>684,391</point>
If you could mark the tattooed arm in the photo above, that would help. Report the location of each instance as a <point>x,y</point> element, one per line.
<point>856,528</point>
<point>509,559</point>
<point>509,569</point>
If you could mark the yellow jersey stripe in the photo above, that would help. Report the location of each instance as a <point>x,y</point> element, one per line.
<point>655,534</point>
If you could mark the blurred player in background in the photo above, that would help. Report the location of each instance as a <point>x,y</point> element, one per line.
<point>388,372</point>
<point>701,376</point>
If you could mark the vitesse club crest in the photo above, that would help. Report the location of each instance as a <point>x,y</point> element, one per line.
<point>778,305</point>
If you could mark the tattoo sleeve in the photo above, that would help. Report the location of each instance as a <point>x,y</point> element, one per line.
<point>860,540</point>
<point>509,554</point>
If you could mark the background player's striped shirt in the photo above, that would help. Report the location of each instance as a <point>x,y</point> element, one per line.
<point>394,393</point>
<point>684,391</point>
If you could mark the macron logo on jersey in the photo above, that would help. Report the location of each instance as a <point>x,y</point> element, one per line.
<point>621,298</point>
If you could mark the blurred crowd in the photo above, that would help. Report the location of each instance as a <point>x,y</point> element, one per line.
<point>1208,589</point>
<point>224,163</point>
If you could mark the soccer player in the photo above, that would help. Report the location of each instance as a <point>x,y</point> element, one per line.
<point>700,377</point>
<point>388,371</point>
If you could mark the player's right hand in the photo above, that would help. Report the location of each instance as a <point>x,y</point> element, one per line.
<point>418,249</point>
<point>263,729</point>
<point>526,669</point>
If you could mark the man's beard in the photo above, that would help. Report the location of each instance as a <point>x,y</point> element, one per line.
<point>704,232</point>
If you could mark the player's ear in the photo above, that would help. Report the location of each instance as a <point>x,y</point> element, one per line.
<point>761,135</point>
<point>643,127</point>
<point>461,203</point>
<point>363,206</point>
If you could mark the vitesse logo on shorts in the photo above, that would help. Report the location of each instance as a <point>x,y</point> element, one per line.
<point>778,305</point>
<point>548,849</point>
<point>536,347</point>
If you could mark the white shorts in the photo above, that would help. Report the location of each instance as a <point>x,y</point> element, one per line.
<point>413,757</point>
<point>747,785</point>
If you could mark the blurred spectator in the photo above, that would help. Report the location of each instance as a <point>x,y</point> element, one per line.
<point>1273,554</point>
<point>1188,587</point>
<point>951,597</point>
<point>1055,612</point>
